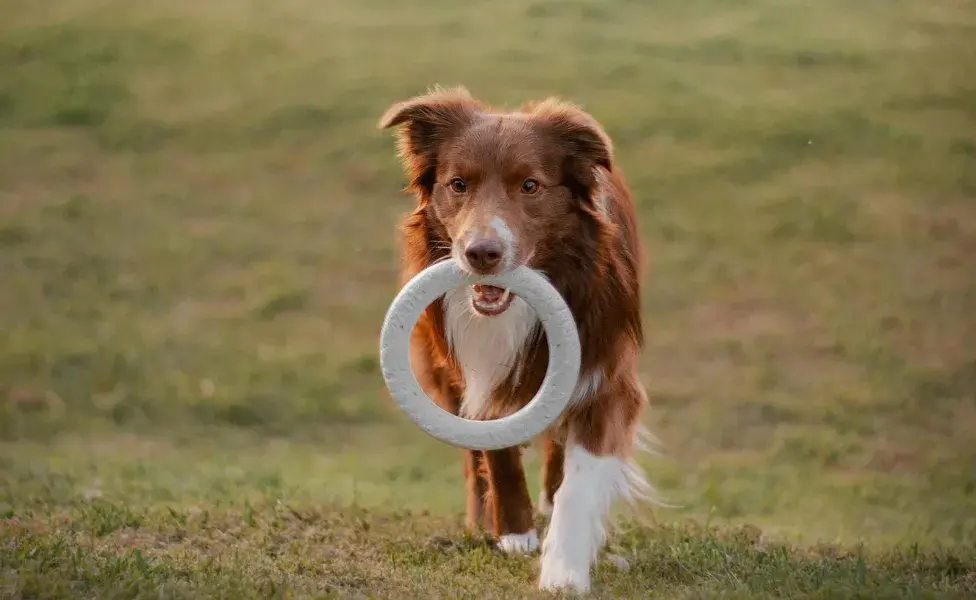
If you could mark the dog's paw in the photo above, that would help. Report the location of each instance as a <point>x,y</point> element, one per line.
<point>556,579</point>
<point>564,566</point>
<point>519,543</point>
<point>544,507</point>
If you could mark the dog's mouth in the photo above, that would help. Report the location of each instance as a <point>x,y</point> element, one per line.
<point>491,301</point>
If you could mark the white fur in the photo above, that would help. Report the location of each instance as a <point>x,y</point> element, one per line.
<point>488,348</point>
<point>519,543</point>
<point>577,528</point>
<point>506,236</point>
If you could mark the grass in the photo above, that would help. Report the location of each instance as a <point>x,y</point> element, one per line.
<point>197,245</point>
<point>125,517</point>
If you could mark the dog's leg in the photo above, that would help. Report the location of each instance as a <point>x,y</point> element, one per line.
<point>598,468</point>
<point>510,502</point>
<point>552,475</point>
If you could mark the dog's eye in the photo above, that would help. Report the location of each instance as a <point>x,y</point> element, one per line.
<point>458,185</point>
<point>530,186</point>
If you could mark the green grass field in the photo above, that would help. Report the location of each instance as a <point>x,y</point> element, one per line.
<point>198,243</point>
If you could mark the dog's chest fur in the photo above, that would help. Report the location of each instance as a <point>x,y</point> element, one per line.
<point>487,348</point>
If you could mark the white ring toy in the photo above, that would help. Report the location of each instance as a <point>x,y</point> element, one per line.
<point>562,373</point>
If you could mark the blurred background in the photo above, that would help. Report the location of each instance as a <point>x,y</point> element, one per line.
<point>198,243</point>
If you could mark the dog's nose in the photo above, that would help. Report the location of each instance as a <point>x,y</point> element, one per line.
<point>484,255</point>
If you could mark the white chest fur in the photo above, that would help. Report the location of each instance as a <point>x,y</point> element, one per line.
<point>488,348</point>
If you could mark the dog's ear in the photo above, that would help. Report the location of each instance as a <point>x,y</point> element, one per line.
<point>427,121</point>
<point>587,146</point>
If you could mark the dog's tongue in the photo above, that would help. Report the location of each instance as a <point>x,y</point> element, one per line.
<point>489,292</point>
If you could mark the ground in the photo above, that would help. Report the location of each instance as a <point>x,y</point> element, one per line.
<point>198,243</point>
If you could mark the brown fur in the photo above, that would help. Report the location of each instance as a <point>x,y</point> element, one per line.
<point>579,229</point>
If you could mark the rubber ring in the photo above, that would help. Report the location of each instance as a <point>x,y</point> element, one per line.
<point>562,372</point>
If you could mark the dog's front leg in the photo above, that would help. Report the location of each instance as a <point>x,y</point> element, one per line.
<point>598,468</point>
<point>509,501</point>
<point>576,528</point>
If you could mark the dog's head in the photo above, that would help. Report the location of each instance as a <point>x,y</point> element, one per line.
<point>502,189</point>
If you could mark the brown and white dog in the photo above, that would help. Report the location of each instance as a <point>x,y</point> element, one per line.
<point>537,187</point>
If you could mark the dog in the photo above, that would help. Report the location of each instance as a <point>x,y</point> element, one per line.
<point>539,187</point>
